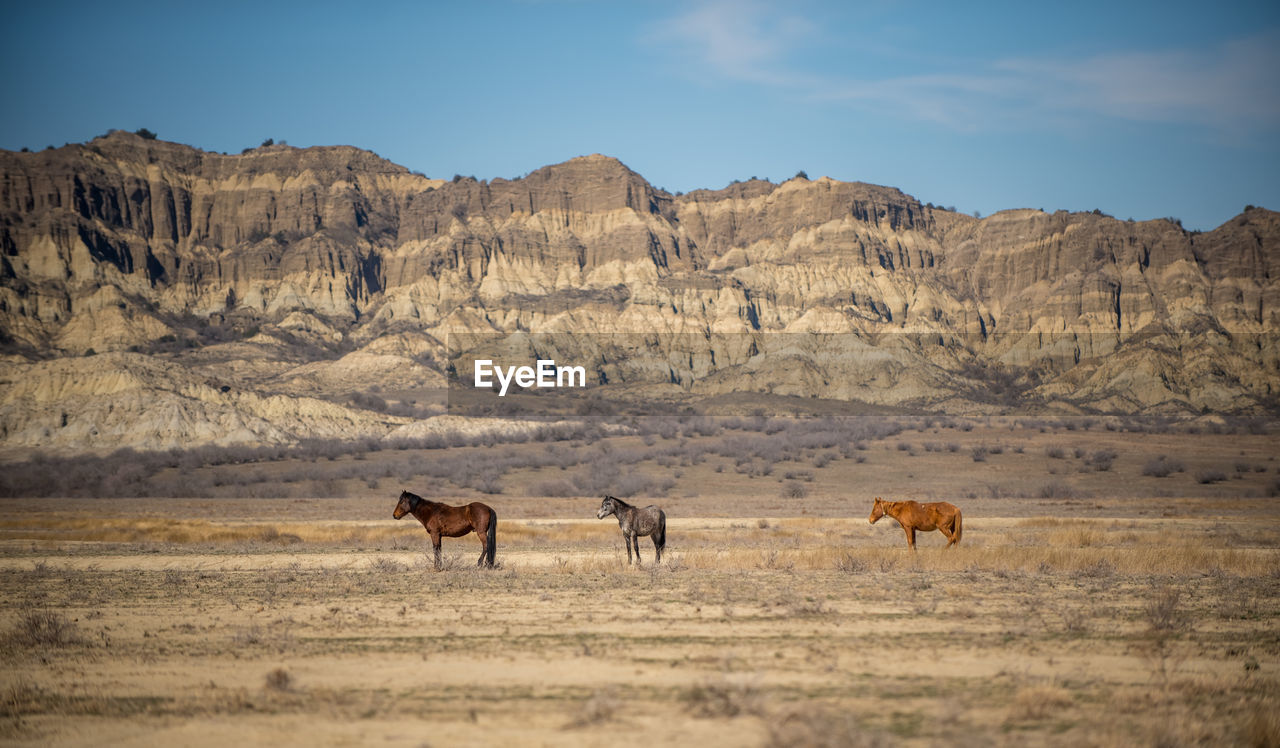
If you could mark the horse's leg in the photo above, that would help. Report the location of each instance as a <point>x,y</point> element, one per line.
<point>626,540</point>
<point>911,537</point>
<point>949,529</point>
<point>657,550</point>
<point>435,543</point>
<point>484,547</point>
<point>635,543</point>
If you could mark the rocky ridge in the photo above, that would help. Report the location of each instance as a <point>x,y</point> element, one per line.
<point>286,293</point>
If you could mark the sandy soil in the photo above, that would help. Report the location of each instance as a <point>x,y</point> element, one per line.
<point>1136,622</point>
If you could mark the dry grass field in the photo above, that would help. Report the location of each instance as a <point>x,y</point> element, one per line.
<point>1118,608</point>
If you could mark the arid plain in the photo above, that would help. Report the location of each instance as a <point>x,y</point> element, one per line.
<point>1096,597</point>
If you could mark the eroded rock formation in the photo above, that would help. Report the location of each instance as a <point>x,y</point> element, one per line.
<point>297,278</point>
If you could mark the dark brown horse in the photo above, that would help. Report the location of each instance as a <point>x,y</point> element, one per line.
<point>444,521</point>
<point>913,515</point>
<point>635,522</point>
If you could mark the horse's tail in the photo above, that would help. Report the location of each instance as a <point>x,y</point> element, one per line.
<point>661,535</point>
<point>492,534</point>
<point>959,526</point>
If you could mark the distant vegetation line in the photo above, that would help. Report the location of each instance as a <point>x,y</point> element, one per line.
<point>625,457</point>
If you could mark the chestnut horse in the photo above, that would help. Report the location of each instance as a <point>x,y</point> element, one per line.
<point>635,522</point>
<point>442,520</point>
<point>913,515</point>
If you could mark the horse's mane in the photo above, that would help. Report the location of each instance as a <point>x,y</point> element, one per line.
<point>415,497</point>
<point>618,501</point>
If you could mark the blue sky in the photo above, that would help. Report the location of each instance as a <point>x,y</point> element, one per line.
<point>1142,110</point>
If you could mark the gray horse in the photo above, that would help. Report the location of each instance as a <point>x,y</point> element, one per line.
<point>635,522</point>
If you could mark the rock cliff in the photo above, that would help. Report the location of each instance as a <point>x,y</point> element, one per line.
<point>319,286</point>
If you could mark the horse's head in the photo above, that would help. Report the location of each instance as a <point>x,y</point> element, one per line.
<point>607,507</point>
<point>408,502</point>
<point>877,510</point>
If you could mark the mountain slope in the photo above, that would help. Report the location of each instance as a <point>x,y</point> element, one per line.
<point>285,272</point>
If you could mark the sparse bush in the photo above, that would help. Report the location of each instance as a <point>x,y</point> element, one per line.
<point>851,565</point>
<point>1102,460</point>
<point>279,680</point>
<point>794,490</point>
<point>1057,490</point>
<point>1165,615</point>
<point>1162,467</point>
<point>368,401</point>
<point>722,699</point>
<point>600,708</point>
<point>1210,476</point>
<point>555,487</point>
<point>1055,452</point>
<point>978,453</point>
<point>45,628</point>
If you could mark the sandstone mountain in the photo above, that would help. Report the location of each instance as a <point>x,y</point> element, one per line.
<point>155,295</point>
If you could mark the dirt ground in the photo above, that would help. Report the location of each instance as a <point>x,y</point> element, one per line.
<point>321,621</point>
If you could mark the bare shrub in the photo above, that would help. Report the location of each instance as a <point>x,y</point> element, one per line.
<point>600,708</point>
<point>722,699</point>
<point>1210,476</point>
<point>279,680</point>
<point>1164,614</point>
<point>555,487</point>
<point>1102,460</point>
<point>1162,467</point>
<point>978,453</point>
<point>388,566</point>
<point>850,565</point>
<point>794,490</point>
<point>1057,490</point>
<point>45,628</point>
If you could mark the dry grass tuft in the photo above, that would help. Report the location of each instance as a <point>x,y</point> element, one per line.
<point>1036,703</point>
<point>1262,726</point>
<point>817,727</point>
<point>600,708</point>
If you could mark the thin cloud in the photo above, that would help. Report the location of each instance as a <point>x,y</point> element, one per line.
<point>1232,88</point>
<point>743,41</point>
